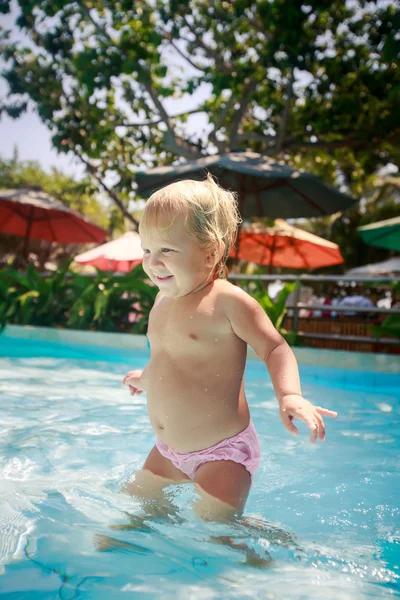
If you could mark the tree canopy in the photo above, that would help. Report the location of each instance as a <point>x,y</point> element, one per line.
<point>315,83</point>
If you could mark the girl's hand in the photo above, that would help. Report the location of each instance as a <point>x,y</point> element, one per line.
<point>132,380</point>
<point>295,407</point>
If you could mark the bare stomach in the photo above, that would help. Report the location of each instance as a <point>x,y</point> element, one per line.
<point>188,420</point>
<point>195,401</point>
<point>199,436</point>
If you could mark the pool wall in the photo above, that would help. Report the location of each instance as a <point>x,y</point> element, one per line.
<point>97,343</point>
<point>335,368</point>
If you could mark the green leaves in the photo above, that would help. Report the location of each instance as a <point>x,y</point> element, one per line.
<point>5,6</point>
<point>390,327</point>
<point>275,308</point>
<point>322,77</point>
<point>28,299</point>
<point>66,299</point>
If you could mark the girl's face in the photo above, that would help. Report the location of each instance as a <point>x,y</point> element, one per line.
<point>176,264</point>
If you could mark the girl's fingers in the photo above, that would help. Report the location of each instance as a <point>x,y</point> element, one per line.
<point>326,412</point>
<point>321,426</point>
<point>134,390</point>
<point>314,432</point>
<point>289,425</point>
<point>312,423</point>
<point>312,419</point>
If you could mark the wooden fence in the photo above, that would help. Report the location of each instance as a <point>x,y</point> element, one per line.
<point>342,332</point>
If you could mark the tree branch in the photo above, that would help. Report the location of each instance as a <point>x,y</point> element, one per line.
<point>249,87</point>
<point>272,149</point>
<point>150,123</point>
<point>219,62</point>
<point>171,141</point>
<point>251,136</point>
<point>361,144</point>
<point>285,113</point>
<point>221,146</point>
<point>100,30</point>
<point>189,60</point>
<point>333,145</point>
<point>112,195</point>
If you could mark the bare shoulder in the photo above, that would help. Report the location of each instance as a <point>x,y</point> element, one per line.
<point>248,319</point>
<point>157,306</point>
<point>158,300</point>
<point>233,297</point>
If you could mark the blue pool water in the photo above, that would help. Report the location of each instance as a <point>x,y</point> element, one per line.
<point>322,520</point>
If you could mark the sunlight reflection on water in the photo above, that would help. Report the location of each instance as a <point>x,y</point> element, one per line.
<point>323,520</point>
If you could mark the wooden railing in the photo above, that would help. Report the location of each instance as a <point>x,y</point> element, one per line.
<point>343,332</point>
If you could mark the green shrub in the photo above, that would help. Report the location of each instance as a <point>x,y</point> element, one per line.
<point>390,327</point>
<point>67,299</point>
<point>275,308</point>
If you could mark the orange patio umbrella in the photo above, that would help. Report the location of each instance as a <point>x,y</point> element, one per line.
<point>285,246</point>
<point>32,213</point>
<point>121,254</point>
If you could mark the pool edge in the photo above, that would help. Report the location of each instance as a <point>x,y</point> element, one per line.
<point>351,361</point>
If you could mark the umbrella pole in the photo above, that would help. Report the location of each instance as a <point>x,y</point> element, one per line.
<point>271,256</point>
<point>28,234</point>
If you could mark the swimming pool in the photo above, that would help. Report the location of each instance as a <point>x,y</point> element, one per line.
<point>323,519</point>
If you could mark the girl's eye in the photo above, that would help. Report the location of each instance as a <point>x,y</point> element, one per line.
<point>146,251</point>
<point>165,250</point>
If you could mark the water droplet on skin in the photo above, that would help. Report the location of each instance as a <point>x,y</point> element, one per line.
<point>206,390</point>
<point>208,415</point>
<point>217,374</point>
<point>215,339</point>
<point>191,316</point>
<point>160,378</point>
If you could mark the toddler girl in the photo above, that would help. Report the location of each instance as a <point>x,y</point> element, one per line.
<point>199,328</point>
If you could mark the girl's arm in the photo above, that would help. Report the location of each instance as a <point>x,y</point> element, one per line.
<point>250,323</point>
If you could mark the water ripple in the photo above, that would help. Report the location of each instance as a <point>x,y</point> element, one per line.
<point>71,436</point>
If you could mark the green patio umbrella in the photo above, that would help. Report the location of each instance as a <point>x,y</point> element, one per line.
<point>266,188</point>
<point>383,234</point>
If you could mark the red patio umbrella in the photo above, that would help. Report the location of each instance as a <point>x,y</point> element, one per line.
<point>121,254</point>
<point>285,246</point>
<point>32,213</point>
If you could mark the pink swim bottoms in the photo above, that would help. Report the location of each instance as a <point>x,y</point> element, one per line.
<point>242,448</point>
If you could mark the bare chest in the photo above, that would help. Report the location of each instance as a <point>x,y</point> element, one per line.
<point>185,328</point>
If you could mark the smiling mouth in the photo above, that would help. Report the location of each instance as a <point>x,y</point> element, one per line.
<point>166,278</point>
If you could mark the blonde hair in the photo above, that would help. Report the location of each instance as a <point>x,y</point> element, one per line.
<point>211,214</point>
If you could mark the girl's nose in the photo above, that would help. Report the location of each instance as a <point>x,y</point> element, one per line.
<point>155,260</point>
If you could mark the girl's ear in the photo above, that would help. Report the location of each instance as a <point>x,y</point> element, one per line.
<point>211,256</point>
<point>215,253</point>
